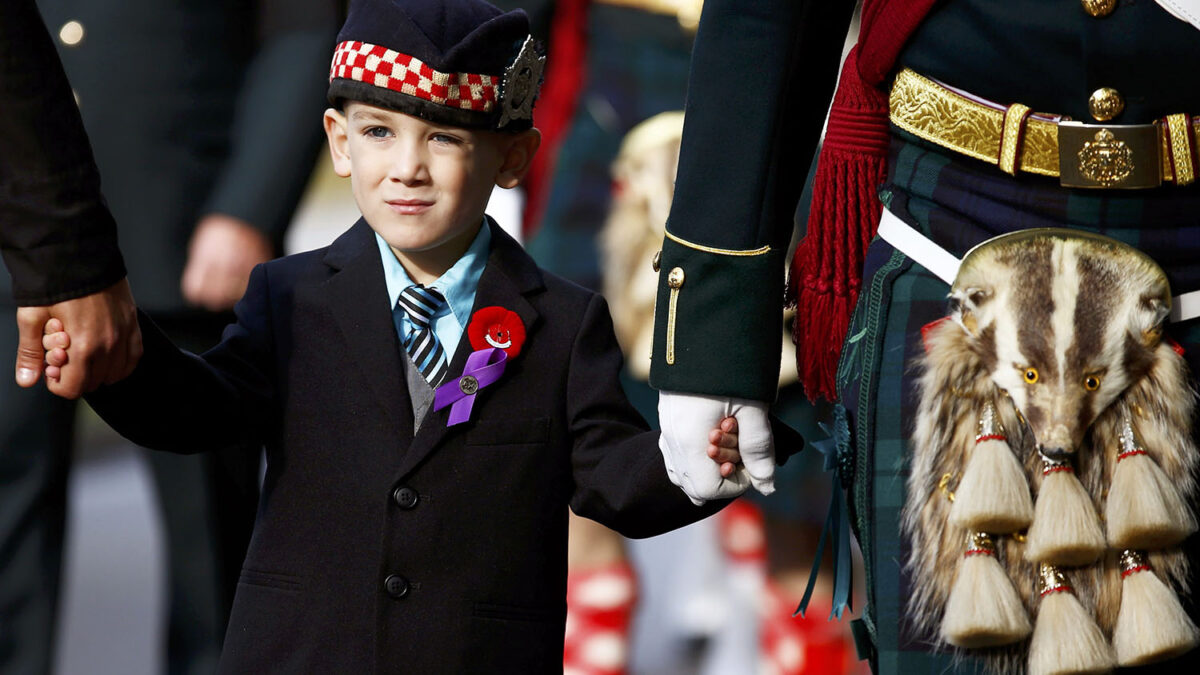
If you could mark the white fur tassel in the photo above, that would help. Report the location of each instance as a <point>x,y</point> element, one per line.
<point>1151,625</point>
<point>983,609</point>
<point>1066,530</point>
<point>1144,509</point>
<point>993,495</point>
<point>1066,638</point>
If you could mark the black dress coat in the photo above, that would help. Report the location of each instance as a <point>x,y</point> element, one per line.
<point>58,239</point>
<point>376,550</point>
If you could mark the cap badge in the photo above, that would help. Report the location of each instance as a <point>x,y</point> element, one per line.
<point>519,88</point>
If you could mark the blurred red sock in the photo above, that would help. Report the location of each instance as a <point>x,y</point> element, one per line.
<point>741,530</point>
<point>600,603</point>
<point>809,645</point>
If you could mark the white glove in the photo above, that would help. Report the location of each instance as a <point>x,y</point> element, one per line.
<point>686,421</point>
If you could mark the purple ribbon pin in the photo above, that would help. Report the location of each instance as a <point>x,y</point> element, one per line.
<point>484,367</point>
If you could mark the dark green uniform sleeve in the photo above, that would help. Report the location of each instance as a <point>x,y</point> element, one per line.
<point>58,238</point>
<point>761,79</point>
<point>276,130</point>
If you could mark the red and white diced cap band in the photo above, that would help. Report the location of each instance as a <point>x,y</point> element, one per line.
<point>389,69</point>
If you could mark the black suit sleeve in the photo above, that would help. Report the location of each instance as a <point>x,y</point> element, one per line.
<point>180,402</point>
<point>762,75</point>
<point>276,130</point>
<point>620,479</point>
<point>58,239</point>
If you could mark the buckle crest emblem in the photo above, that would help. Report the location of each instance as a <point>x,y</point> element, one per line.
<point>1105,159</point>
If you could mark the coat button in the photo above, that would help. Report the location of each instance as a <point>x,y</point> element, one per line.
<point>1099,8</point>
<point>405,497</point>
<point>1106,103</point>
<point>396,586</point>
<point>71,33</point>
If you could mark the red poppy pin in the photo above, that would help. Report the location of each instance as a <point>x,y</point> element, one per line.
<point>496,335</point>
<point>497,327</point>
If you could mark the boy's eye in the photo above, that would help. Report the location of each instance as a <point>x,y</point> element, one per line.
<point>377,132</point>
<point>444,138</point>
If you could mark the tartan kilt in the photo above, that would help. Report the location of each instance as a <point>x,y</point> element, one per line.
<point>960,202</point>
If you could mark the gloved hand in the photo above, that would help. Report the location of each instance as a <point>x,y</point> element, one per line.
<point>686,421</point>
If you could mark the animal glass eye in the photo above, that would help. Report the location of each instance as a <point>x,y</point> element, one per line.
<point>1091,382</point>
<point>1031,375</point>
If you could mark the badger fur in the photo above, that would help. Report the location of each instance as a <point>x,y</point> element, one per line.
<point>1062,332</point>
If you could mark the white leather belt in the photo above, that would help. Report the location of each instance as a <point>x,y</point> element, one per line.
<point>944,264</point>
<point>1184,10</point>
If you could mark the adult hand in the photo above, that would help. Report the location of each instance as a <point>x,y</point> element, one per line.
<point>221,254</point>
<point>106,342</point>
<point>686,421</point>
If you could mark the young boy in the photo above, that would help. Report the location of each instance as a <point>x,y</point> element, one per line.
<point>403,530</point>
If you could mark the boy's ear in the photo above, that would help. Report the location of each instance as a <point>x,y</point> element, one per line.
<point>518,156</point>
<point>339,142</point>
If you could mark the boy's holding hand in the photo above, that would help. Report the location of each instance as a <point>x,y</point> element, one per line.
<point>430,401</point>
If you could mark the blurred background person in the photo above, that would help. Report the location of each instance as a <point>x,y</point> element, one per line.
<point>202,177</point>
<point>611,64</point>
<point>633,65</point>
<point>751,563</point>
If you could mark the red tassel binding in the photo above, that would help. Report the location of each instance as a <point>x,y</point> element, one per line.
<point>827,266</point>
<point>826,269</point>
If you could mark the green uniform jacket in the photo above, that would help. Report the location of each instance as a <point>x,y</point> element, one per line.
<point>772,66</point>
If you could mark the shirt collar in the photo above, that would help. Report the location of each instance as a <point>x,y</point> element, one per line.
<point>457,284</point>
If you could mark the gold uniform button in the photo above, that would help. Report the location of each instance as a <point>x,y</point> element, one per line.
<point>71,33</point>
<point>1105,103</point>
<point>1099,8</point>
<point>675,278</point>
<point>656,262</point>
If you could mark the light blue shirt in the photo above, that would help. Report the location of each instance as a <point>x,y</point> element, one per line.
<point>457,284</point>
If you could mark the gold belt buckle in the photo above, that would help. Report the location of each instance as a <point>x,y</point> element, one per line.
<point>1124,156</point>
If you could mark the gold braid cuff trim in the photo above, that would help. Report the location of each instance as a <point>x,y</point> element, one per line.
<point>718,251</point>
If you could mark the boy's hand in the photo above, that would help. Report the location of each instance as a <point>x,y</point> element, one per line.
<point>723,446</point>
<point>684,445</point>
<point>108,341</point>
<point>55,341</point>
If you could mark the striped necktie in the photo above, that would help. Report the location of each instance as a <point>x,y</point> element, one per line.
<point>422,345</point>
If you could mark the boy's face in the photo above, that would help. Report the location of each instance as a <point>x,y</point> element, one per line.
<point>423,186</point>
